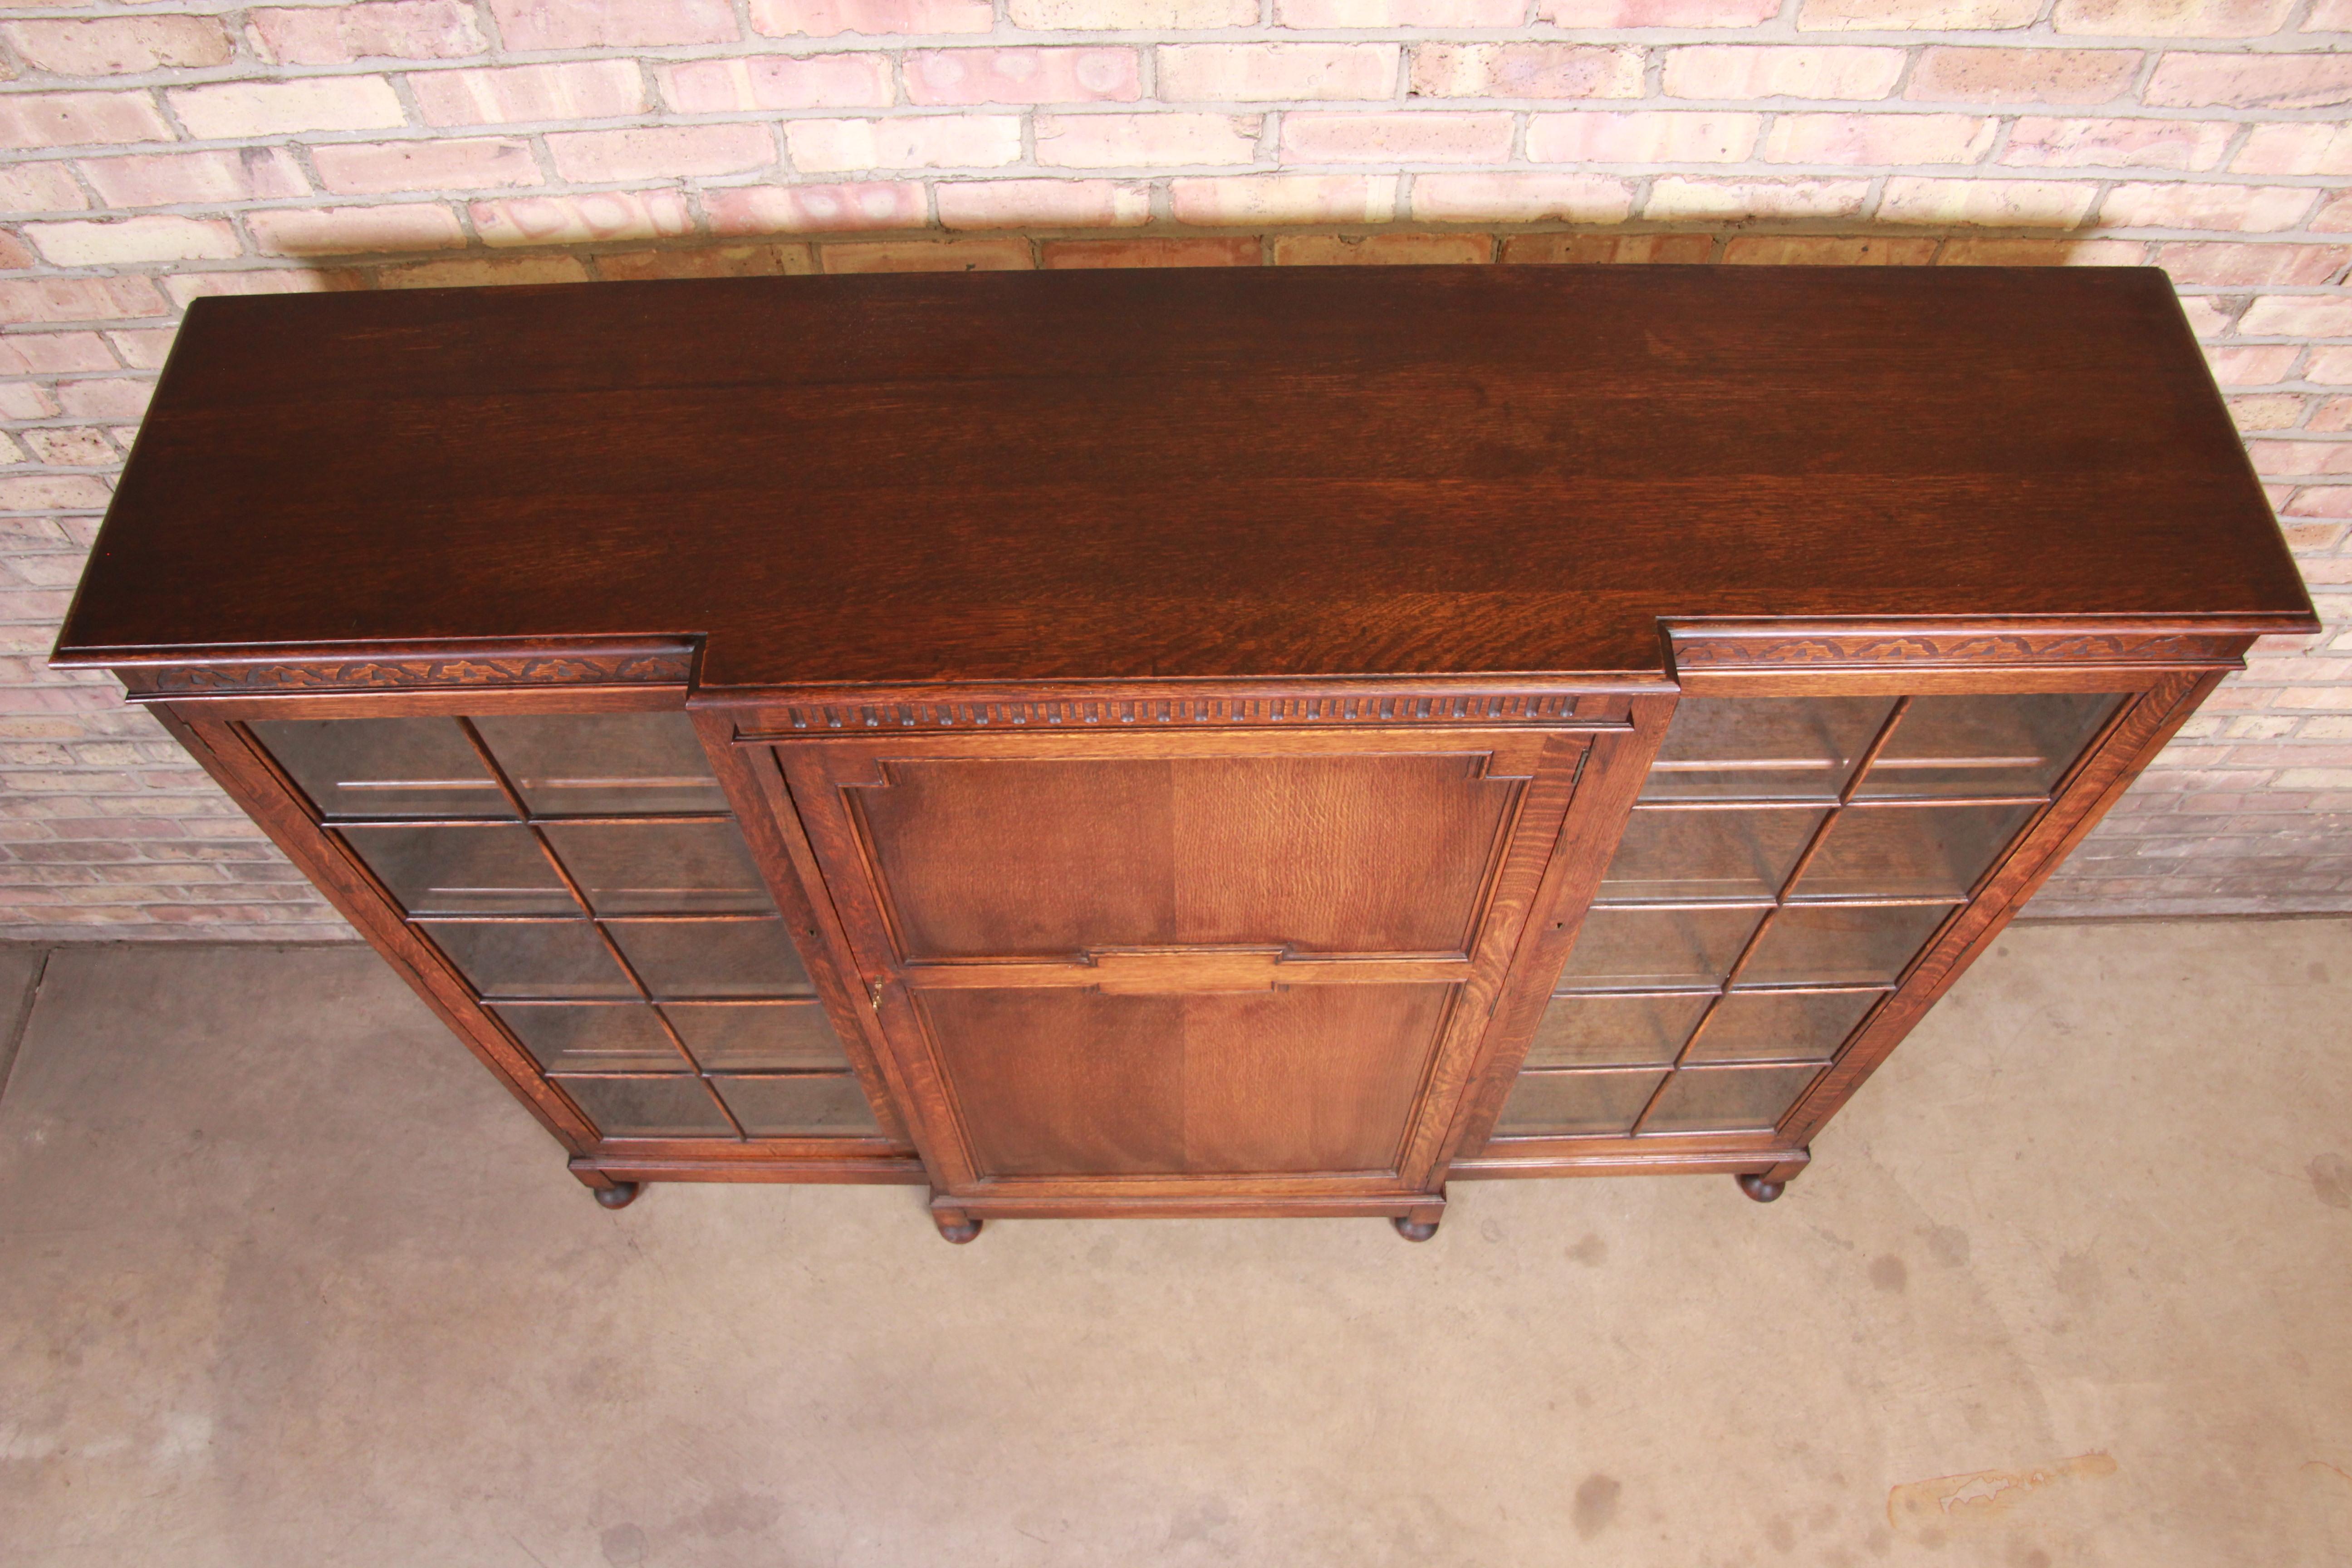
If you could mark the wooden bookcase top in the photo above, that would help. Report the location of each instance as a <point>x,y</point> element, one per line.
<point>1212,474</point>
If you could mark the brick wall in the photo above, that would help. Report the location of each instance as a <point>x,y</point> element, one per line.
<point>163,151</point>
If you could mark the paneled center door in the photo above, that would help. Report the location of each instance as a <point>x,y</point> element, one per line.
<point>1206,971</point>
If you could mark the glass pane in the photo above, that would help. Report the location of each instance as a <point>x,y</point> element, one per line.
<point>1910,851</point>
<point>493,869</point>
<point>713,958</point>
<point>620,1037</point>
<point>1635,949</point>
<point>1601,1031</point>
<point>2006,744</point>
<point>1707,854</point>
<point>756,1034</point>
<point>384,767</point>
<point>661,868</point>
<point>1561,1103</point>
<point>1727,1099</point>
<point>604,764</point>
<point>1763,747</point>
<point>799,1107</point>
<point>1795,1025</point>
<point>675,1107</point>
<point>1833,945</point>
<point>531,958</point>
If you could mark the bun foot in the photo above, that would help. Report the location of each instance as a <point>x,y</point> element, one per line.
<point>1414,1230</point>
<point>957,1228</point>
<point>619,1196</point>
<point>1762,1191</point>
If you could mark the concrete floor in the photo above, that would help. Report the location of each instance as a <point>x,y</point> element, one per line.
<point>286,1279</point>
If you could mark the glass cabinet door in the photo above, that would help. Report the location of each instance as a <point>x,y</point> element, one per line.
<point>1788,859</point>
<point>584,875</point>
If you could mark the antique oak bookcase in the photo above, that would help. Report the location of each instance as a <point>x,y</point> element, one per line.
<point>1206,742</point>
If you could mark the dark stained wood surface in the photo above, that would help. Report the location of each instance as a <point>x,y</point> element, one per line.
<point>1199,474</point>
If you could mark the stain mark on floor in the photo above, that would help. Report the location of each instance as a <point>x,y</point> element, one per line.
<point>1948,1505</point>
<point>1596,1505</point>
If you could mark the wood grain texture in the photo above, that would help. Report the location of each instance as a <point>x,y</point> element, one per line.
<point>1183,474</point>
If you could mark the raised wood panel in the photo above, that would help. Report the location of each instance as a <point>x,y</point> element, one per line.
<point>1080,1083</point>
<point>1040,857</point>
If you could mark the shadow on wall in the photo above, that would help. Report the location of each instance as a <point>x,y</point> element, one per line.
<point>847,228</point>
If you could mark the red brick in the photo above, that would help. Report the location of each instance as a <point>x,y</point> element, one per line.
<point>1397,138</point>
<point>1129,16</point>
<point>1274,72</point>
<point>769,209</point>
<point>362,168</point>
<point>52,492</point>
<point>2335,213</point>
<point>2042,142</point>
<point>39,188</point>
<point>1095,253</point>
<point>901,18</point>
<point>1826,250</point>
<point>2311,147</point>
<point>318,231</point>
<point>1514,197</point>
<point>1023,76</point>
<point>1235,200</point>
<point>2329,17</point>
<point>79,119</point>
<point>613,23</point>
<point>2181,205</point>
<point>1525,71</point>
<point>927,141</point>
<point>16,256</point>
<point>2297,316</point>
<point>376,30</point>
<point>116,399</point>
<point>843,80</point>
<point>133,240</point>
<point>598,216</point>
<point>47,353</point>
<point>1641,137</point>
<point>279,278</point>
<point>21,400</point>
<point>2022,75</point>
<point>2336,414</point>
<point>80,300</point>
<point>1620,249</point>
<point>483,272</point>
<point>144,349</point>
<point>1045,203</point>
<point>1921,16</point>
<point>724,261</point>
<point>1677,196</point>
<point>2260,366</point>
<point>120,46</point>
<point>1382,250</point>
<point>587,90</point>
<point>1741,71</point>
<point>939,256</point>
<point>1861,139</point>
<point>2266,410</point>
<point>168,179</point>
<point>2172,18</point>
<point>2299,459</point>
<point>2219,264</point>
<point>2329,367</point>
<point>661,152</point>
<point>2007,204</point>
<point>1399,12</point>
<point>239,111</point>
<point>2040,253</point>
<point>1161,139</point>
<point>2252,81</point>
<point>1657,13</point>
<point>82,448</point>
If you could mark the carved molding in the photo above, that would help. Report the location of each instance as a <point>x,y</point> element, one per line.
<point>1078,713</point>
<point>635,668</point>
<point>1765,650</point>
